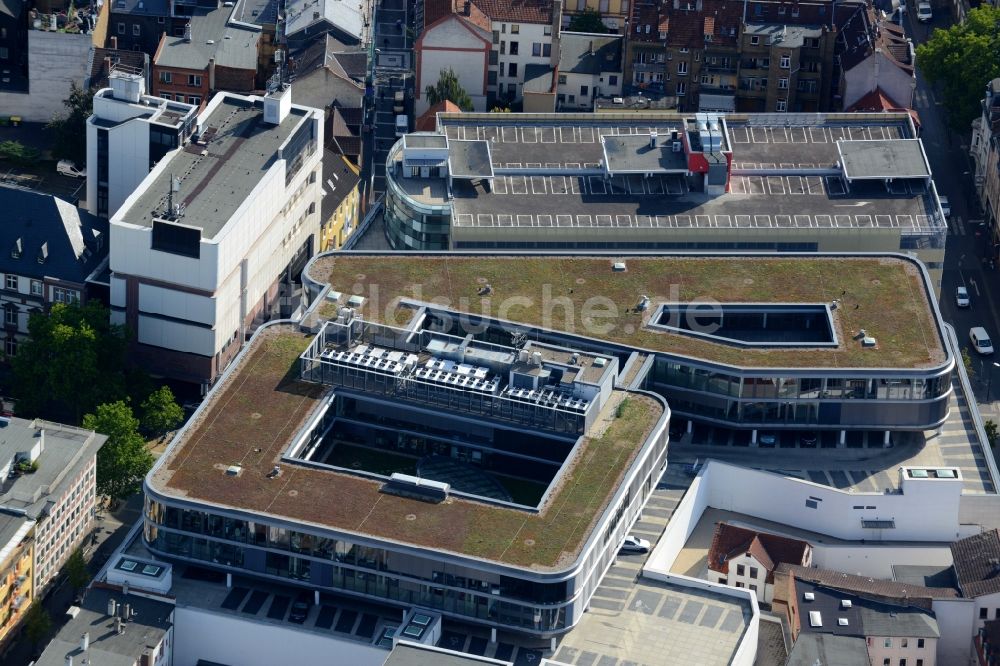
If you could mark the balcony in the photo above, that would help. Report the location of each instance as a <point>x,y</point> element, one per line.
<point>649,66</point>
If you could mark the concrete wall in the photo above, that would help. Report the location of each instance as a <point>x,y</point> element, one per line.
<point>452,43</point>
<point>956,622</point>
<point>56,60</point>
<point>877,561</point>
<point>254,643</point>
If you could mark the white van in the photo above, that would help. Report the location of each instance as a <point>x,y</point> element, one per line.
<point>68,168</point>
<point>402,125</point>
<point>981,340</point>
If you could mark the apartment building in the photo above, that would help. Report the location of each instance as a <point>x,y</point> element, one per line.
<point>50,252</point>
<point>137,25</point>
<point>875,63</point>
<point>614,13</point>
<point>205,243</point>
<point>985,149</point>
<point>17,553</point>
<point>746,558</point>
<point>590,66</point>
<point>127,134</point>
<point>48,473</point>
<point>214,53</point>
<point>460,43</point>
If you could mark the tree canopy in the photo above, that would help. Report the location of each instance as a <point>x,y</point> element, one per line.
<point>963,59</point>
<point>589,20</point>
<point>70,128</point>
<point>160,412</point>
<point>448,88</point>
<point>76,571</point>
<point>73,361</point>
<point>37,623</point>
<point>123,461</point>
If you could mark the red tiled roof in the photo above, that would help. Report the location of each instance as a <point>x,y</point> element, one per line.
<point>915,595</point>
<point>876,100</point>
<point>769,549</point>
<point>516,11</point>
<point>435,10</point>
<point>427,122</point>
<point>718,18</point>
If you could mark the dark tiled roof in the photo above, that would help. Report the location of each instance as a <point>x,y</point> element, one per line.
<point>584,53</point>
<point>76,242</point>
<point>870,587</point>
<point>769,549</point>
<point>99,70</point>
<point>977,563</point>
<point>865,617</point>
<point>648,13</point>
<point>338,181</point>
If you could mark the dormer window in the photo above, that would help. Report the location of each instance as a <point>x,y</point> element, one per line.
<point>17,249</point>
<point>43,253</point>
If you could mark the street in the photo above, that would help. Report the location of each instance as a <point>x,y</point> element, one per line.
<point>968,246</point>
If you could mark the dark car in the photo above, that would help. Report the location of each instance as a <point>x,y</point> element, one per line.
<point>300,609</point>
<point>808,440</point>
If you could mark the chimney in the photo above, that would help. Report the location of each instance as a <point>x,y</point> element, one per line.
<point>187,32</point>
<point>211,74</point>
<point>652,138</point>
<point>84,642</point>
<point>114,42</point>
<point>557,10</point>
<point>119,626</point>
<point>112,607</point>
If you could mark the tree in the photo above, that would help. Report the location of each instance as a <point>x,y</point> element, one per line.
<point>37,623</point>
<point>70,128</point>
<point>448,88</point>
<point>963,59</point>
<point>18,153</point>
<point>123,461</point>
<point>73,361</point>
<point>160,412</point>
<point>589,20</point>
<point>990,427</point>
<point>76,571</point>
<point>967,362</point>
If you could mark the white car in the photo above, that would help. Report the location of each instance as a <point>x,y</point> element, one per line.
<point>633,544</point>
<point>981,340</point>
<point>962,297</point>
<point>924,12</point>
<point>68,168</point>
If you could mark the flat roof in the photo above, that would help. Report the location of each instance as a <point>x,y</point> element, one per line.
<point>661,623</point>
<point>885,295</point>
<point>641,153</point>
<point>470,159</point>
<point>213,186</point>
<point>881,159</point>
<point>252,415</point>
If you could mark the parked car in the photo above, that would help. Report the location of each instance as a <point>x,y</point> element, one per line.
<point>68,168</point>
<point>924,12</point>
<point>398,101</point>
<point>300,609</point>
<point>962,297</point>
<point>633,544</point>
<point>402,125</point>
<point>981,340</point>
<point>767,439</point>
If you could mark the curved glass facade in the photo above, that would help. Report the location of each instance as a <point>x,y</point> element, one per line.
<point>411,224</point>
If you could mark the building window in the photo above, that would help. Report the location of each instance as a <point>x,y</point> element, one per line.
<point>584,91</point>
<point>983,612</point>
<point>683,49</point>
<point>682,68</point>
<point>36,288</point>
<point>503,48</point>
<point>920,662</point>
<point>193,99</point>
<point>512,69</point>
<point>754,40</point>
<point>536,49</point>
<point>613,80</point>
<point>753,572</point>
<point>740,570</point>
<point>546,50</point>
<point>496,36</point>
<point>887,643</point>
<point>165,77</point>
<point>682,89</point>
<point>920,644</point>
<point>547,31</point>
<point>739,584</point>
<point>194,80</point>
<point>136,31</point>
<point>753,588</point>
<point>11,282</point>
<point>781,9</point>
<point>795,11</point>
<point>10,316</point>
<point>781,106</point>
<point>782,84</point>
<point>121,28</point>
<point>515,29</point>
<point>786,61</point>
<point>722,581</point>
<point>60,295</point>
<point>904,643</point>
<point>10,346</point>
<point>902,662</point>
<point>515,48</point>
<point>887,662</point>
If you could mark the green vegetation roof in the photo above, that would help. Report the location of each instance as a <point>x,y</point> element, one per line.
<point>886,296</point>
<point>251,417</point>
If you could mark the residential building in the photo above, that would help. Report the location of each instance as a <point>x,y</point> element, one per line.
<point>876,61</point>
<point>614,13</point>
<point>205,243</point>
<point>127,134</point>
<point>457,393</point>
<point>895,634</point>
<point>747,558</point>
<point>214,53</point>
<point>56,57</point>
<point>114,625</point>
<point>811,649</point>
<point>13,46</point>
<point>348,21</point>
<point>785,67</point>
<point>17,553</point>
<point>262,13</point>
<point>524,33</point>
<point>326,77</point>
<point>985,149</point>
<point>975,560</point>
<point>50,252</point>
<point>138,25</point>
<point>590,66</point>
<point>48,473</point>
<point>340,209</point>
<point>457,42</point>
<point>665,181</point>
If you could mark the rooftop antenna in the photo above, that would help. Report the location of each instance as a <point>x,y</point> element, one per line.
<point>175,186</point>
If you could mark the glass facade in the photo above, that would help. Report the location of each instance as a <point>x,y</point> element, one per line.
<point>409,224</point>
<point>794,398</point>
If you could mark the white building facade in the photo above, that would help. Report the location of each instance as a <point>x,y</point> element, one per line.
<point>905,650</point>
<point>196,259</point>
